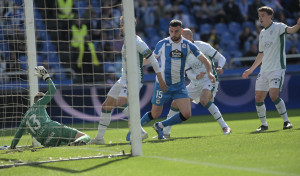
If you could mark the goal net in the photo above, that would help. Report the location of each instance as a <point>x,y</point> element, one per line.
<point>78,42</point>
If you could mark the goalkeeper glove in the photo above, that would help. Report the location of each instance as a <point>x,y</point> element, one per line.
<point>41,72</point>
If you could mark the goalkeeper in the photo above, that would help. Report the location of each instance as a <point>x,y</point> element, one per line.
<point>38,123</point>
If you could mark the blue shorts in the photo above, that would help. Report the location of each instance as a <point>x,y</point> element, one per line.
<point>159,97</point>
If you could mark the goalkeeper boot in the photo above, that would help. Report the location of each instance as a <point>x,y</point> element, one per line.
<point>287,125</point>
<point>97,141</point>
<point>227,130</point>
<point>262,128</point>
<point>159,131</point>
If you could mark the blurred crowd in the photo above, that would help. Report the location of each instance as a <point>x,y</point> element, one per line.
<point>84,34</point>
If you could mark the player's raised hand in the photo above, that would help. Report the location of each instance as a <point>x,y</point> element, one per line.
<point>41,72</point>
<point>246,73</point>
<point>211,77</point>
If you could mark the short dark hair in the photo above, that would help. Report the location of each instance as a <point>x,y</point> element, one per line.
<point>266,9</point>
<point>38,96</point>
<point>175,23</point>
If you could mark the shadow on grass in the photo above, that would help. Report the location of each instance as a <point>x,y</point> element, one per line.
<point>175,138</point>
<point>255,132</point>
<point>155,140</point>
<point>68,170</point>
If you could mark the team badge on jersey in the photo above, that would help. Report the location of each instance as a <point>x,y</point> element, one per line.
<point>183,45</point>
<point>176,54</point>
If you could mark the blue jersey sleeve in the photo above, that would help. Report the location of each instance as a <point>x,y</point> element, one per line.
<point>158,48</point>
<point>195,50</point>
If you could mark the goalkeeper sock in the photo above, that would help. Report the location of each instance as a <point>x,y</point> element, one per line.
<point>103,123</point>
<point>84,138</point>
<point>175,119</point>
<point>280,106</point>
<point>215,112</point>
<point>173,111</point>
<point>146,118</point>
<point>261,112</point>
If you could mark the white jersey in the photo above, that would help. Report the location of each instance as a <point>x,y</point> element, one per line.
<point>197,66</point>
<point>272,45</point>
<point>142,49</point>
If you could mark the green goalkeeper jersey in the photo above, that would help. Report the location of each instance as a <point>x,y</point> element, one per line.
<point>36,120</point>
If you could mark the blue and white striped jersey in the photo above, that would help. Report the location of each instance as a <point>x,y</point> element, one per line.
<point>173,58</point>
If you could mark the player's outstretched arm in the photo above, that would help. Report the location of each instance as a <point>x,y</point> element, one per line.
<point>294,29</point>
<point>18,135</point>
<point>256,63</point>
<point>42,72</point>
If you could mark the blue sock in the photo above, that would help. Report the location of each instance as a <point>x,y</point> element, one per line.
<point>145,119</point>
<point>175,119</point>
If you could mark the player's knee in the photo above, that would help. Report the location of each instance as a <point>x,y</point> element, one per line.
<point>274,97</point>
<point>155,114</point>
<point>107,106</point>
<point>259,98</point>
<point>174,105</point>
<point>185,116</point>
<point>122,101</point>
<point>204,102</point>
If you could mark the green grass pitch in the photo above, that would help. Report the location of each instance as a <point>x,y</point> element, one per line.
<point>197,147</point>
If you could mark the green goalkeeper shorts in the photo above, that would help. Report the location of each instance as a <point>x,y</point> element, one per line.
<point>57,134</point>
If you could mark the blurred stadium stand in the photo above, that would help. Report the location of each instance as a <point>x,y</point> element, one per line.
<point>227,31</point>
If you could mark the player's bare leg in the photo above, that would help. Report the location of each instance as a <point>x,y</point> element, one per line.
<point>122,102</point>
<point>109,104</point>
<point>184,106</point>
<point>205,100</point>
<point>261,109</point>
<point>280,106</point>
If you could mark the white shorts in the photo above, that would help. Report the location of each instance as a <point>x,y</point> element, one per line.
<point>195,91</point>
<point>267,80</point>
<point>120,90</point>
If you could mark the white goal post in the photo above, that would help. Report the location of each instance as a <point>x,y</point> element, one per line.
<point>31,54</point>
<point>133,96</point>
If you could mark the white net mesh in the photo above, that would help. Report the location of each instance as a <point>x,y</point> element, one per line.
<point>78,42</point>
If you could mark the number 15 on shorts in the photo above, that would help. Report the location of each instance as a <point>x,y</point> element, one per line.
<point>159,95</point>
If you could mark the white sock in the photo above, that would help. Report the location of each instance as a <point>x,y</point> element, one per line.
<point>103,124</point>
<point>214,110</point>
<point>167,130</point>
<point>280,106</point>
<point>261,112</point>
